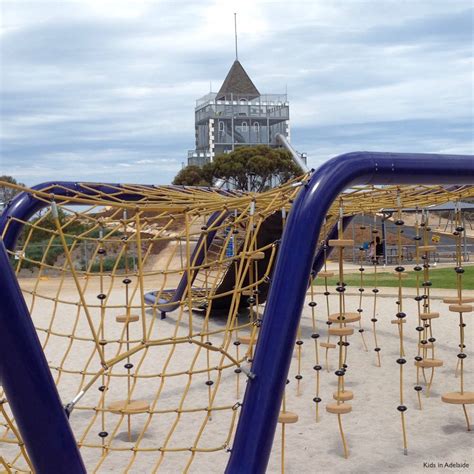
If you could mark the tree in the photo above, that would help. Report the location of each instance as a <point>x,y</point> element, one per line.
<point>249,168</point>
<point>193,176</point>
<point>7,193</point>
<point>254,168</point>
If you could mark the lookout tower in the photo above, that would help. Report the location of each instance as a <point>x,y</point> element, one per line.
<point>237,115</point>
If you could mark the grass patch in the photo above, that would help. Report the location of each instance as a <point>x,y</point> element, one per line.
<point>439,277</point>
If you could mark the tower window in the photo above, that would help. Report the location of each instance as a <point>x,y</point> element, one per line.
<point>221,126</point>
<point>256,127</point>
<point>244,126</point>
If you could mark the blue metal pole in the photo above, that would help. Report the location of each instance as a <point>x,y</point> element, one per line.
<point>29,386</point>
<point>258,419</point>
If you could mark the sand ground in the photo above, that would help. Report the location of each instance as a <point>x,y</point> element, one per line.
<point>436,434</point>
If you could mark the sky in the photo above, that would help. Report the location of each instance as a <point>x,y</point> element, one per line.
<point>104,90</point>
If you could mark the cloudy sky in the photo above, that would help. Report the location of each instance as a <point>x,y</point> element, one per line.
<point>105,90</point>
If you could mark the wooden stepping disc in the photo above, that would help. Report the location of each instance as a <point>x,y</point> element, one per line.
<point>398,321</point>
<point>428,345</point>
<point>460,308</point>
<point>287,417</point>
<point>427,248</point>
<point>458,398</point>
<point>257,256</point>
<point>247,339</point>
<point>341,331</point>
<point>325,274</point>
<point>327,345</point>
<point>132,407</point>
<point>127,318</point>
<point>340,409</point>
<point>428,363</point>
<point>346,317</point>
<point>341,243</point>
<point>464,300</point>
<point>343,396</point>
<point>425,316</point>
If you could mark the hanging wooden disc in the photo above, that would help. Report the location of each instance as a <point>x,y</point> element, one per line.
<point>131,407</point>
<point>458,398</point>
<point>325,274</point>
<point>425,316</point>
<point>428,363</point>
<point>428,345</point>
<point>462,301</point>
<point>328,345</point>
<point>343,396</point>
<point>340,409</point>
<point>287,417</point>
<point>248,339</point>
<point>127,318</point>
<point>427,248</point>
<point>460,308</point>
<point>345,317</point>
<point>341,331</point>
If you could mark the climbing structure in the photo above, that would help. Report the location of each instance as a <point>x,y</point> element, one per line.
<point>153,305</point>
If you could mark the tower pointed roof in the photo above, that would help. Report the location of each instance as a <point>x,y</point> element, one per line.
<point>238,82</point>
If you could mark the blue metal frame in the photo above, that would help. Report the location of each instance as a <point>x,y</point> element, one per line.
<point>262,401</point>
<point>24,372</point>
<point>29,386</point>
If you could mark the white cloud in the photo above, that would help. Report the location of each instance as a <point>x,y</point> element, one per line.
<point>86,82</point>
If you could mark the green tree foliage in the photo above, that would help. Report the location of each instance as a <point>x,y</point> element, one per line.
<point>253,168</point>
<point>193,176</point>
<point>246,168</point>
<point>7,193</point>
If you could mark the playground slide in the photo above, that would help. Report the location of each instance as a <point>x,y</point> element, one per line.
<point>283,141</point>
<point>166,305</point>
<point>270,232</point>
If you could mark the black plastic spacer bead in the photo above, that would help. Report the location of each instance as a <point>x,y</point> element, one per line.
<point>402,408</point>
<point>103,434</point>
<point>401,361</point>
<point>209,383</point>
<point>315,335</point>
<point>377,349</point>
<point>316,400</point>
<point>317,367</point>
<point>128,366</point>
<point>312,303</point>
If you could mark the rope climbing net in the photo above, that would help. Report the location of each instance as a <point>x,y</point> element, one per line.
<point>148,301</point>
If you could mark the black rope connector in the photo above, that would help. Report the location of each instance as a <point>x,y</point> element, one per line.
<point>401,408</point>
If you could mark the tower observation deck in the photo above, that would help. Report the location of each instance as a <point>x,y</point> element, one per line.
<point>237,115</point>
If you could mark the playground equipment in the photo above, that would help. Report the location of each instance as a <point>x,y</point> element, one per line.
<point>161,394</point>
